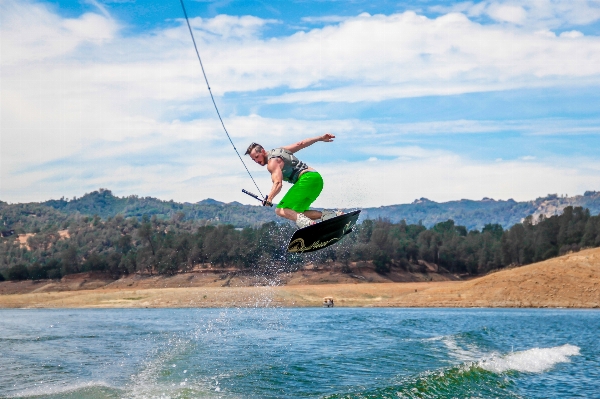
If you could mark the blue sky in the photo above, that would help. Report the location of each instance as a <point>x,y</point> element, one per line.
<point>444,100</point>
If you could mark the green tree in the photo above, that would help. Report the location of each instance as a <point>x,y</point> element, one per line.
<point>69,261</point>
<point>37,271</point>
<point>382,262</point>
<point>145,232</point>
<point>18,272</point>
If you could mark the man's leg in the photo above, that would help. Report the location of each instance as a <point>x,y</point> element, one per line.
<point>299,218</point>
<point>293,215</point>
<point>287,213</point>
<point>313,215</point>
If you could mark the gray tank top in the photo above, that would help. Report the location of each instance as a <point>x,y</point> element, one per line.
<point>292,166</point>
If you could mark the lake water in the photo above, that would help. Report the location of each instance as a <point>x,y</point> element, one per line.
<point>299,353</point>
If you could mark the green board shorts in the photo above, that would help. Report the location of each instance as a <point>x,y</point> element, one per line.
<point>303,193</point>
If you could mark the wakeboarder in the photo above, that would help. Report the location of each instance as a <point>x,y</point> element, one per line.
<point>307,182</point>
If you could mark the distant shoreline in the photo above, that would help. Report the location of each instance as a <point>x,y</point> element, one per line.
<point>569,281</point>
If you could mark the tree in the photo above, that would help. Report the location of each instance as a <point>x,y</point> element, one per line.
<point>18,272</point>
<point>382,262</point>
<point>37,272</point>
<point>94,262</point>
<point>124,245</point>
<point>495,230</point>
<point>145,232</point>
<point>591,236</point>
<point>69,261</point>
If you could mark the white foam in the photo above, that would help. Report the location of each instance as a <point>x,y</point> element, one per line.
<point>58,388</point>
<point>469,354</point>
<point>533,360</point>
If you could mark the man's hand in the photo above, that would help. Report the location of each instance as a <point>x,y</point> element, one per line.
<point>266,202</point>
<point>327,137</point>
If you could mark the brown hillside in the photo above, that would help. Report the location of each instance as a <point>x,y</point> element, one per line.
<point>569,281</point>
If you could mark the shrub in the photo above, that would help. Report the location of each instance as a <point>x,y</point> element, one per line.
<point>18,272</point>
<point>54,274</point>
<point>37,272</point>
<point>382,262</point>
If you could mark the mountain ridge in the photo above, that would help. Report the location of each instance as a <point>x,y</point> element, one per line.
<point>473,214</point>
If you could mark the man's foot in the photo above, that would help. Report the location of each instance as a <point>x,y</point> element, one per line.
<point>330,214</point>
<point>302,221</point>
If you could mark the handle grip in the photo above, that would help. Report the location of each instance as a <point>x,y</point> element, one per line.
<point>264,201</point>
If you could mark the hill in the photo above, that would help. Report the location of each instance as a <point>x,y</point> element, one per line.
<point>476,214</point>
<point>35,216</point>
<point>104,204</point>
<point>571,280</point>
<point>469,213</point>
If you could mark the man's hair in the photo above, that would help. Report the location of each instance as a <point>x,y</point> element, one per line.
<point>253,146</point>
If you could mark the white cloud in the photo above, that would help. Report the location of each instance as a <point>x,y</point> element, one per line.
<point>573,34</point>
<point>31,32</point>
<point>507,13</point>
<point>407,55</point>
<point>83,106</point>
<point>549,14</point>
<point>376,57</point>
<point>230,27</point>
<point>176,159</point>
<point>215,172</point>
<point>449,177</point>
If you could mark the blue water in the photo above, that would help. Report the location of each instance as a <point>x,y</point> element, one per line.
<point>299,353</point>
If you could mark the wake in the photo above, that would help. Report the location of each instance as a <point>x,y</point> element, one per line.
<point>534,360</point>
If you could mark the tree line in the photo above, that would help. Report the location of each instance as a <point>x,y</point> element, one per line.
<point>25,218</point>
<point>150,245</point>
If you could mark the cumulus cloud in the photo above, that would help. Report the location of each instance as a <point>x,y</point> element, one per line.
<point>416,56</point>
<point>549,14</point>
<point>507,13</point>
<point>180,164</point>
<point>231,27</point>
<point>447,176</point>
<point>190,171</point>
<point>573,34</point>
<point>32,32</point>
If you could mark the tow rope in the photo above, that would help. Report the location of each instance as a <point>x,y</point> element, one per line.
<point>213,99</point>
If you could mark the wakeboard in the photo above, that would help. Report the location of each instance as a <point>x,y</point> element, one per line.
<point>323,234</point>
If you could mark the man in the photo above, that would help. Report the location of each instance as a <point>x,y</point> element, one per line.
<point>307,182</point>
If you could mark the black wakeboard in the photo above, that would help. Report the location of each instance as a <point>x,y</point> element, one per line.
<point>323,234</point>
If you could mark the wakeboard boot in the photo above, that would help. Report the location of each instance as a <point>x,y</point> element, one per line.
<point>303,221</point>
<point>330,214</point>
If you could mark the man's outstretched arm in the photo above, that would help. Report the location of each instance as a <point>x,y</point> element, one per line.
<point>327,137</point>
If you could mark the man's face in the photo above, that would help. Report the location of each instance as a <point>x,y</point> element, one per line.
<point>260,157</point>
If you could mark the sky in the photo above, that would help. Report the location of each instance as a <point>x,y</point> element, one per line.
<point>436,99</point>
